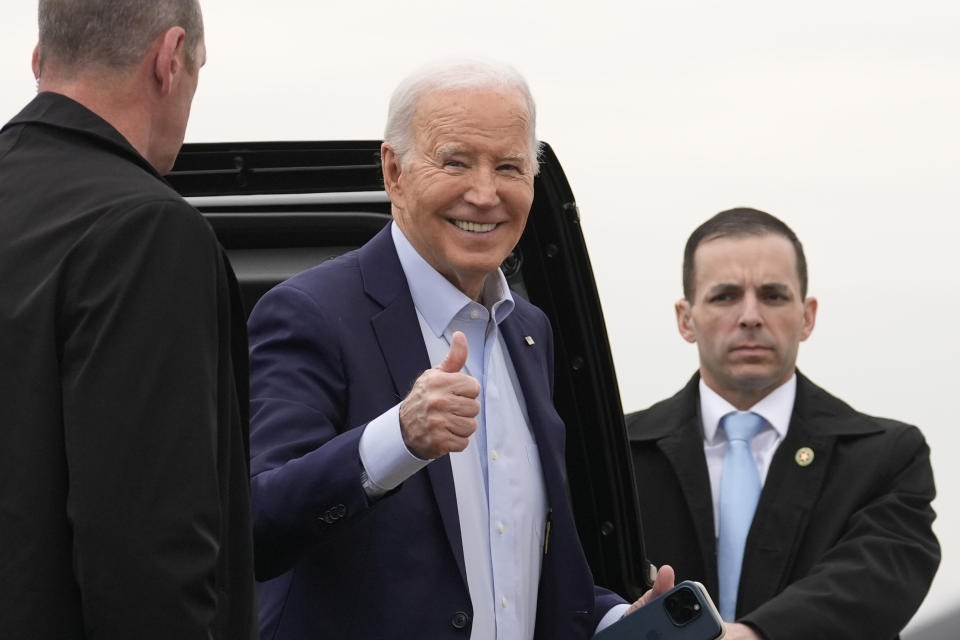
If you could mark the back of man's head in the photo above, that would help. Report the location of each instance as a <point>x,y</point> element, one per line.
<point>739,222</point>
<point>112,34</point>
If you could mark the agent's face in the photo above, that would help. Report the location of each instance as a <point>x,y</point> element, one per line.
<point>747,315</point>
<point>464,192</point>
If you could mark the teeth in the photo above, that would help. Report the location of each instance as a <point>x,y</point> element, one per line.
<point>475,227</point>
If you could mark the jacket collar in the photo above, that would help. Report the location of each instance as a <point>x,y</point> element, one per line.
<point>822,412</point>
<point>56,110</point>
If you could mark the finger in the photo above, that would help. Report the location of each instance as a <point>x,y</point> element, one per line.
<point>464,386</point>
<point>457,355</point>
<point>661,584</point>
<point>431,448</point>
<point>456,444</point>
<point>459,406</point>
<point>461,427</point>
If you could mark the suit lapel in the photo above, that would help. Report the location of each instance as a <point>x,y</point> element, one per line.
<point>531,365</point>
<point>401,342</point>
<point>786,502</point>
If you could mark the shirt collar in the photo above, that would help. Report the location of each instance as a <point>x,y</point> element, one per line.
<point>437,300</point>
<point>776,408</point>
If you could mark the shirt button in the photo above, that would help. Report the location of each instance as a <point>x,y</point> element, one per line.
<point>500,527</point>
<point>503,601</point>
<point>475,314</point>
<point>494,455</point>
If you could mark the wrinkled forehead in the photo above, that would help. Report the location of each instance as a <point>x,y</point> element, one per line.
<point>494,111</point>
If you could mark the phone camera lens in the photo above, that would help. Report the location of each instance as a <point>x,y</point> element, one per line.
<point>682,606</point>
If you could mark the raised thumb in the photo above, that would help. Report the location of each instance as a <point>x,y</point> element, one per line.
<point>457,356</point>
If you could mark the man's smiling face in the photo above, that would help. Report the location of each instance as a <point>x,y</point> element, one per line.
<point>463,194</point>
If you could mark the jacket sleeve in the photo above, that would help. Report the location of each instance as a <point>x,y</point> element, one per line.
<point>872,579</point>
<point>138,334</point>
<point>306,469</point>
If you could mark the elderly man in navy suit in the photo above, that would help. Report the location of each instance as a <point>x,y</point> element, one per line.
<point>408,463</point>
<point>803,517</point>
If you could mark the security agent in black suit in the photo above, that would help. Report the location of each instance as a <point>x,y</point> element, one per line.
<point>840,545</point>
<point>124,500</point>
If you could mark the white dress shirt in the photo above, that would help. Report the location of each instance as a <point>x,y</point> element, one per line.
<point>775,409</point>
<point>501,499</point>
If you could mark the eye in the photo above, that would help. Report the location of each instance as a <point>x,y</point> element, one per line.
<point>455,164</point>
<point>509,167</point>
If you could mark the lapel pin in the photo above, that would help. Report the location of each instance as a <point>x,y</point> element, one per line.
<point>804,456</point>
<point>529,341</point>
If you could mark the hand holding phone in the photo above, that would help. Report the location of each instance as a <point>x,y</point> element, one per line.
<point>686,612</point>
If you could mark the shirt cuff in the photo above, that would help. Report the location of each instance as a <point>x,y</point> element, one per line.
<point>615,613</point>
<point>385,458</point>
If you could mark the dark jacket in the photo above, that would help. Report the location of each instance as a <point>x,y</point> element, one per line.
<point>124,503</point>
<point>840,548</point>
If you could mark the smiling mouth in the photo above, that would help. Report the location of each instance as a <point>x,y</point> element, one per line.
<point>474,227</point>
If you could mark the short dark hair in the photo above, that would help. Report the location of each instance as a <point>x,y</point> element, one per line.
<point>112,33</point>
<point>742,221</point>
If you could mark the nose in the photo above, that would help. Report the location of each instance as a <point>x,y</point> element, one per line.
<point>750,317</point>
<point>483,192</point>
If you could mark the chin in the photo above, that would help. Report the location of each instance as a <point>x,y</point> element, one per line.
<point>754,377</point>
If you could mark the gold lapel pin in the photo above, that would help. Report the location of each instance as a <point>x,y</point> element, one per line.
<point>529,340</point>
<point>804,456</point>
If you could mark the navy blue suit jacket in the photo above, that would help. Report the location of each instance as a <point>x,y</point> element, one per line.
<point>331,349</point>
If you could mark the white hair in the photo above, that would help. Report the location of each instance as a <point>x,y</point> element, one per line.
<point>446,76</point>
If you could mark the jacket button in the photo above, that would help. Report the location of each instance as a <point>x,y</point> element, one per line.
<point>460,620</point>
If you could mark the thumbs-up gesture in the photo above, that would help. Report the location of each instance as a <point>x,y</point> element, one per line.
<point>439,414</point>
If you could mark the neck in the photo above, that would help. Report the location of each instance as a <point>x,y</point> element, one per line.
<point>741,397</point>
<point>116,97</point>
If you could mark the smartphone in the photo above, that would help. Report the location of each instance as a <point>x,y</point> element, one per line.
<point>686,612</point>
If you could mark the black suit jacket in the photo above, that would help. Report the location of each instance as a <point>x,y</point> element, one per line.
<point>841,548</point>
<point>124,502</point>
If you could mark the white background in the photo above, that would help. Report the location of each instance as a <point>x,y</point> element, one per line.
<point>840,117</point>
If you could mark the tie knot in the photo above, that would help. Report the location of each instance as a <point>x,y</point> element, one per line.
<point>741,426</point>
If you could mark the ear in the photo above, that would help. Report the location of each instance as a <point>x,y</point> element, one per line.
<point>809,317</point>
<point>390,164</point>
<point>685,320</point>
<point>35,62</point>
<point>169,58</point>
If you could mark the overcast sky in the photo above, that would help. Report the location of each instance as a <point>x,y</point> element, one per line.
<point>840,117</point>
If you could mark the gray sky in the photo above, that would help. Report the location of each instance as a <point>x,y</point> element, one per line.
<point>840,117</point>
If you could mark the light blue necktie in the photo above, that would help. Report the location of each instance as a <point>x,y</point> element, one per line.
<point>739,492</point>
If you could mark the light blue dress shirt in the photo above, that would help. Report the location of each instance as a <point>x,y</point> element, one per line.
<point>501,499</point>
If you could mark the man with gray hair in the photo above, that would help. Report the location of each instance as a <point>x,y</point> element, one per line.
<point>123,449</point>
<point>408,463</point>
